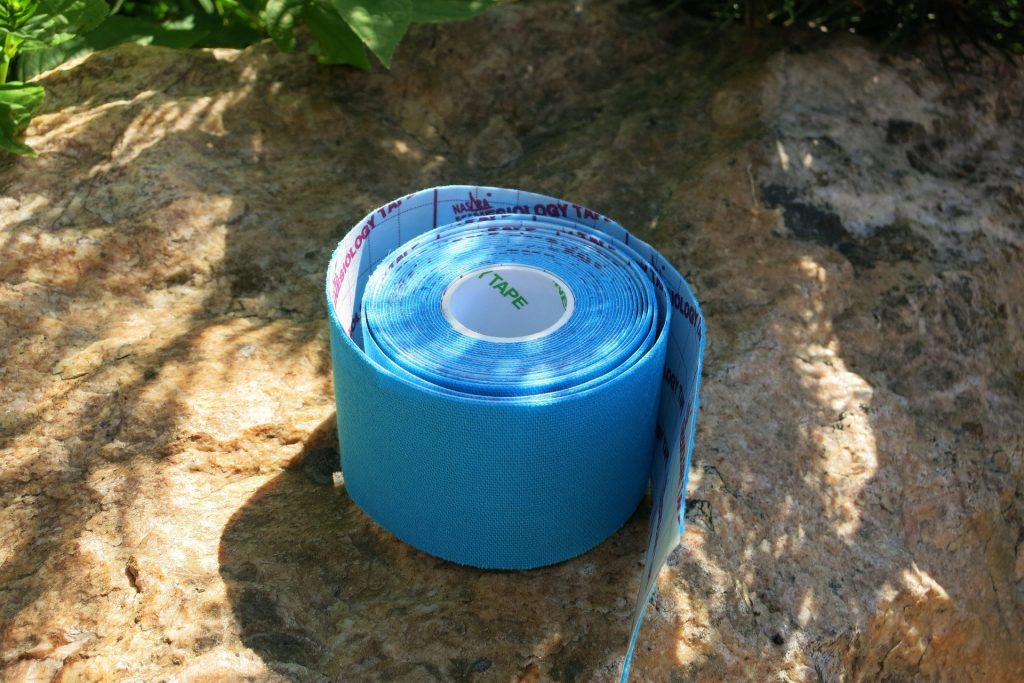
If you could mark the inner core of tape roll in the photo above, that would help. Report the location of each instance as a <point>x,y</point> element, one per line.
<point>508,303</point>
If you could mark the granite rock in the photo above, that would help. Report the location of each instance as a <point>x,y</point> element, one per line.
<point>170,506</point>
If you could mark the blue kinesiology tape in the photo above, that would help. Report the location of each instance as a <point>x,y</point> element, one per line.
<point>511,371</point>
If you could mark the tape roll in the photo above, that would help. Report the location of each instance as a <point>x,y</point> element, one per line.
<point>511,370</point>
<point>507,325</point>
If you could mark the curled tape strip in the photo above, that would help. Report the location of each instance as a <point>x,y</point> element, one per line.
<point>510,371</point>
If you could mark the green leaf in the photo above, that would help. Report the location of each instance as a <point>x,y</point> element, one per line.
<point>34,62</point>
<point>434,11</point>
<point>241,7</point>
<point>337,43</point>
<point>232,23</point>
<point>279,16</point>
<point>115,30</point>
<point>380,24</point>
<point>57,21</point>
<point>19,102</point>
<point>14,13</point>
<point>229,34</point>
<point>31,64</point>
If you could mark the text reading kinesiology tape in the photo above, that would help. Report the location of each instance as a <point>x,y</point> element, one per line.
<point>511,370</point>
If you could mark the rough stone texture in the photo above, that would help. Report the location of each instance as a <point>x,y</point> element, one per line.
<point>853,225</point>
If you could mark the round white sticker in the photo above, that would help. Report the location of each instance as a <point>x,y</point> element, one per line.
<point>507,303</point>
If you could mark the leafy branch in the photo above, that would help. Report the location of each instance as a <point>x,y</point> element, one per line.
<point>38,35</point>
<point>27,25</point>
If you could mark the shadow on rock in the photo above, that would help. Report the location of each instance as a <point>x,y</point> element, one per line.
<point>319,590</point>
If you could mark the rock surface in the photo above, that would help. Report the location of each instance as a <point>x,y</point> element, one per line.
<point>852,223</point>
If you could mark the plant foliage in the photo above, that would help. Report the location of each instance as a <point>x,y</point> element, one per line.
<point>996,23</point>
<point>38,35</point>
<point>27,25</point>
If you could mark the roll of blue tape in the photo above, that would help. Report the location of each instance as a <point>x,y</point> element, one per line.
<point>511,370</point>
